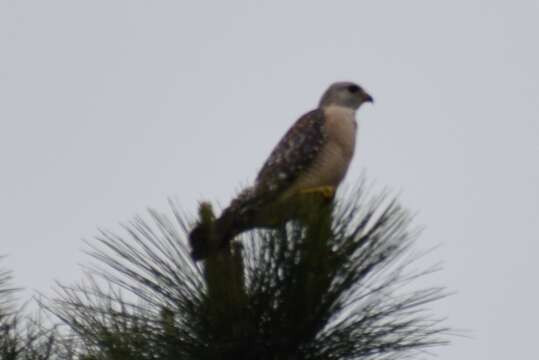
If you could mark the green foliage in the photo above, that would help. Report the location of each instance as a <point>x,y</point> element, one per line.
<point>333,285</point>
<point>23,337</point>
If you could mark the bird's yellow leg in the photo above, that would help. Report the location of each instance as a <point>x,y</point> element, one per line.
<point>327,192</point>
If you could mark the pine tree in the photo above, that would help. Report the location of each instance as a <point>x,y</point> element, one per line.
<point>25,337</point>
<point>332,284</point>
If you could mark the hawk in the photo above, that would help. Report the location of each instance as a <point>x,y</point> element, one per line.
<point>314,155</point>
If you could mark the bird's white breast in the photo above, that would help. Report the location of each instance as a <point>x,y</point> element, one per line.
<point>341,129</point>
<point>331,164</point>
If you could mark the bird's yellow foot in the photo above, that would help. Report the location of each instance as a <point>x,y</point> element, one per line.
<point>328,192</point>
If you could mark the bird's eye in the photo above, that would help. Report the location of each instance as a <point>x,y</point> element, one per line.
<point>353,89</point>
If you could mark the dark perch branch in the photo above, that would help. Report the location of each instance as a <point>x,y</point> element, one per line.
<point>224,274</point>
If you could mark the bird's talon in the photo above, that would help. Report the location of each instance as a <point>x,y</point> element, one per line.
<point>327,192</point>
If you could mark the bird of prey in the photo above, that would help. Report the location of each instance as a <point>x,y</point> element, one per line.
<point>314,155</point>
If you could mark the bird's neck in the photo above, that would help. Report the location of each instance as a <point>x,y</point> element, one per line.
<point>340,111</point>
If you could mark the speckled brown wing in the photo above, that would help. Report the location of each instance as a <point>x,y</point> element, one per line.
<point>292,156</point>
<point>294,153</point>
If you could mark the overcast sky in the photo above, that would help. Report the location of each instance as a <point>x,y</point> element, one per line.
<point>107,107</point>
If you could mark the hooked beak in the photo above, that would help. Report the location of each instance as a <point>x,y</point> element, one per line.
<point>367,98</point>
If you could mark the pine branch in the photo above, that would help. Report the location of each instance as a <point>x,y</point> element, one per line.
<point>331,285</point>
<point>24,337</point>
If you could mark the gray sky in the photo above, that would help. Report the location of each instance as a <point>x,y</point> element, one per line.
<point>109,107</point>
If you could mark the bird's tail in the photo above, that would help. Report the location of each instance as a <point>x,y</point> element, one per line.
<point>208,238</point>
<point>199,241</point>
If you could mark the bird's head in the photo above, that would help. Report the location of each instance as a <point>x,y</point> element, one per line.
<point>346,94</point>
